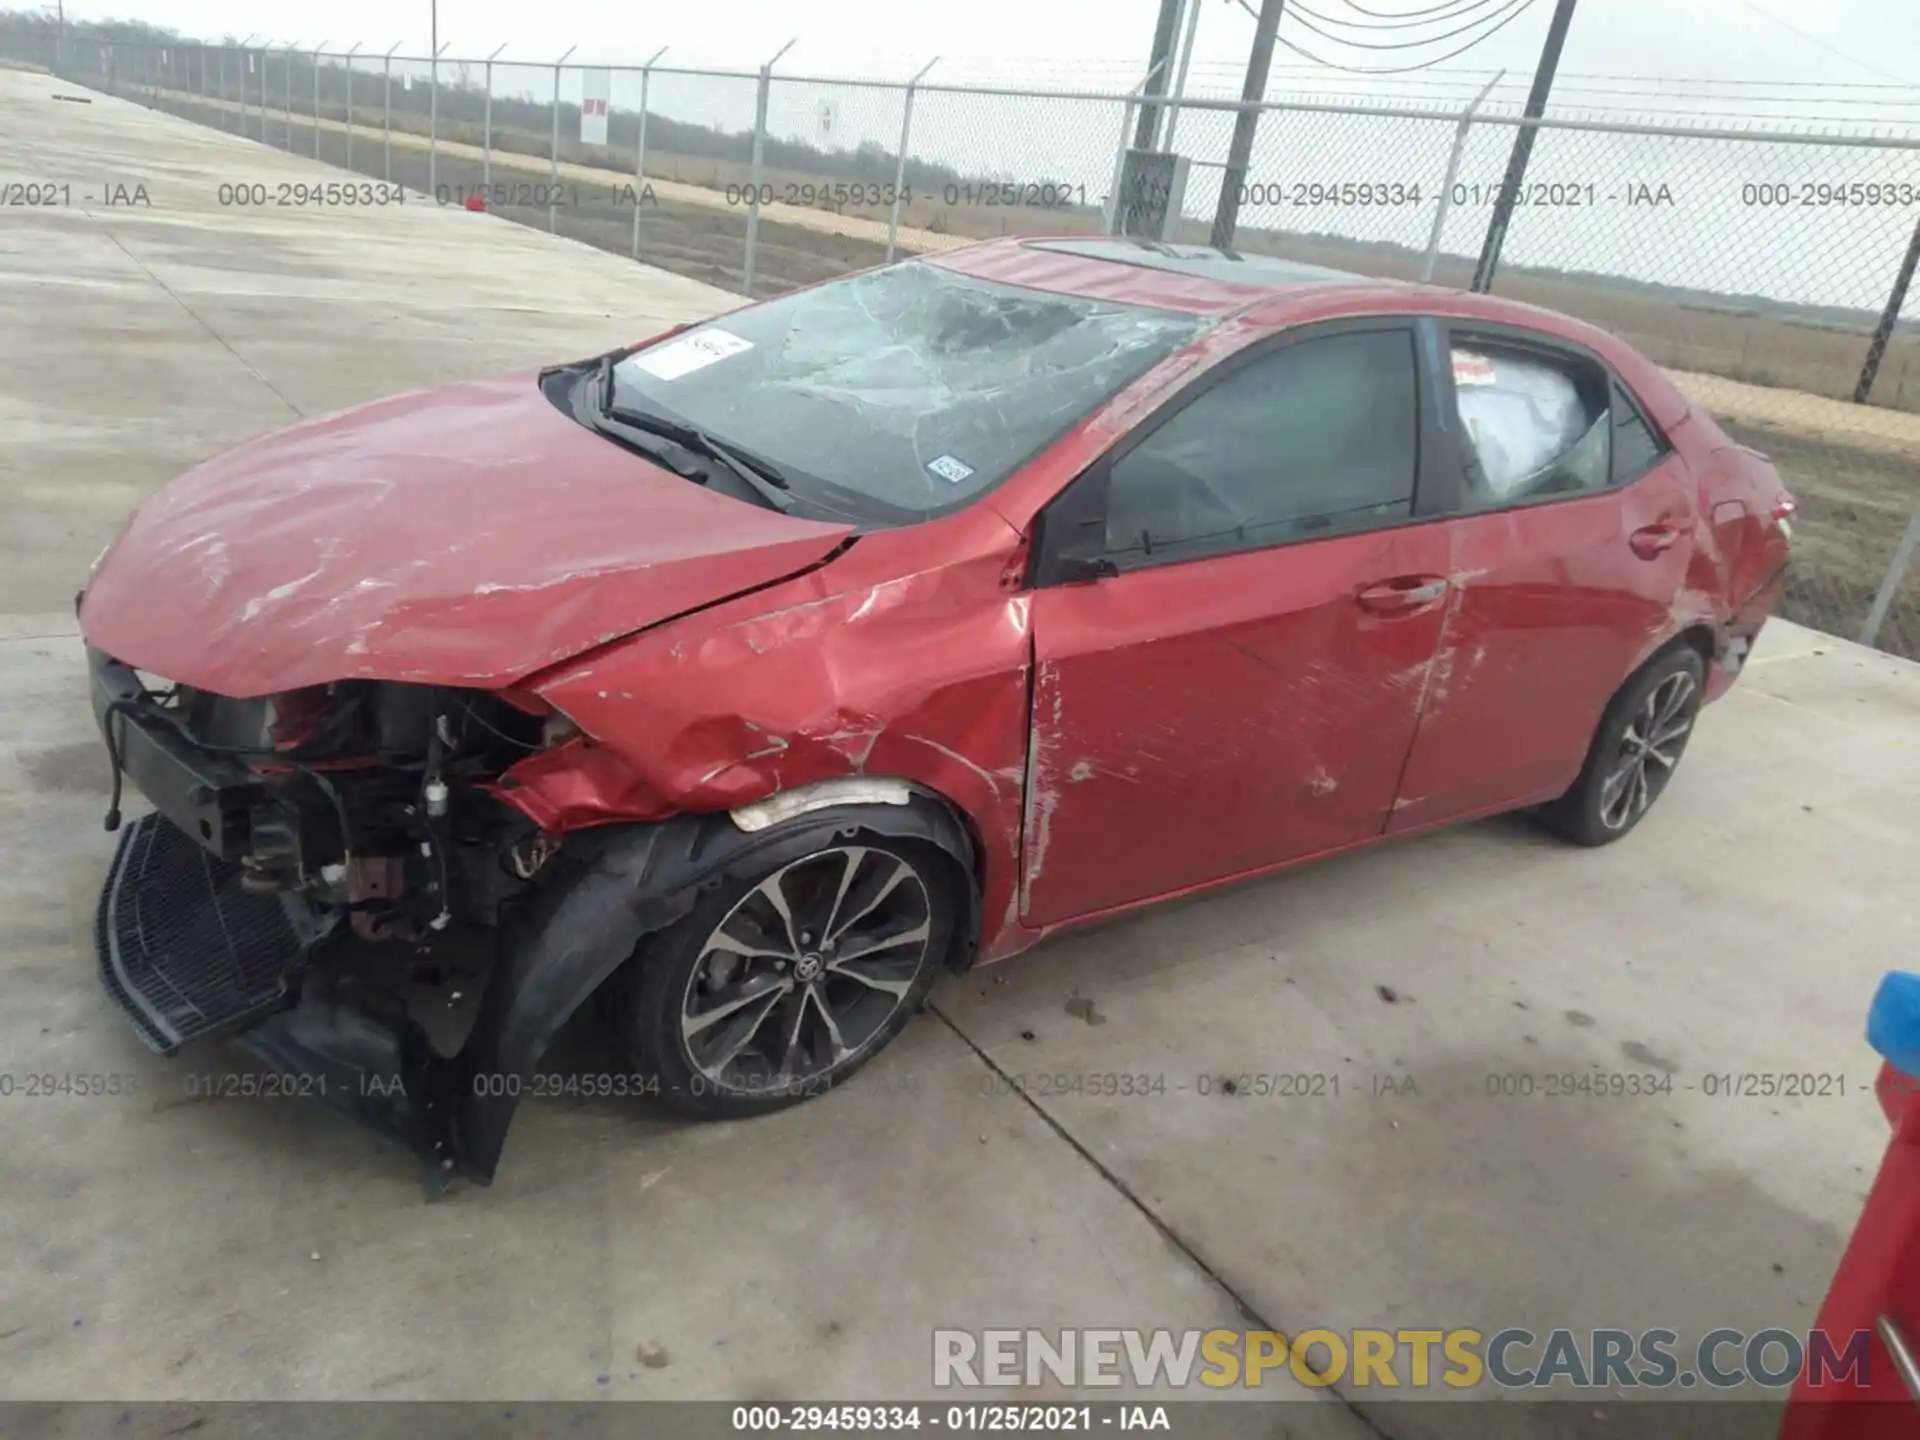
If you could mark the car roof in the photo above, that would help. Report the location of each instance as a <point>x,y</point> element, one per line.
<point>1265,293</point>
<point>1267,272</point>
<point>1197,279</point>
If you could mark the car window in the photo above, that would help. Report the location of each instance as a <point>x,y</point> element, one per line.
<point>1319,437</point>
<point>1537,428</point>
<point>1636,449</point>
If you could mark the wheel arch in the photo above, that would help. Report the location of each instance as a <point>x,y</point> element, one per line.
<point>1694,633</point>
<point>615,885</point>
<point>852,791</point>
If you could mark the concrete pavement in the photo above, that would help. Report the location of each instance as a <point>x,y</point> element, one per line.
<point>176,1248</point>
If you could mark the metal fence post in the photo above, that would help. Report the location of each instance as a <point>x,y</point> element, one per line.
<point>433,122</point>
<point>1890,584</point>
<point>900,158</point>
<point>350,54</point>
<point>1453,174</point>
<point>640,147</point>
<point>1191,29</point>
<point>1110,213</point>
<point>553,147</point>
<point>759,161</point>
<point>1883,332</point>
<point>286,94</point>
<point>316,100</point>
<point>386,113</point>
<point>486,133</point>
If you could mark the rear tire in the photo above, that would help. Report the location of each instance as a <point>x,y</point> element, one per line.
<point>1635,751</point>
<point>787,976</point>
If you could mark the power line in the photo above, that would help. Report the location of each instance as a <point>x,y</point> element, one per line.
<point>1459,8</point>
<point>1300,13</point>
<point>1401,15</point>
<point>1765,14</point>
<point>1408,69</point>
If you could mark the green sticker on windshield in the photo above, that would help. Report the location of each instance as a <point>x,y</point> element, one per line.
<point>953,471</point>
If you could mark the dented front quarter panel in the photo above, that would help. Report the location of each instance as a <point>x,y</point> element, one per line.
<point>905,657</point>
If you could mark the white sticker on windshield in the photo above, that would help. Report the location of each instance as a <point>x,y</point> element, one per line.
<point>1472,369</point>
<point>688,353</point>
<point>953,471</point>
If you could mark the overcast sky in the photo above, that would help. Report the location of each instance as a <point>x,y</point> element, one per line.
<point>1857,42</point>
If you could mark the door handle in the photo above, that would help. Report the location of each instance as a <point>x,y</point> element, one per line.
<point>1653,541</point>
<point>1401,594</point>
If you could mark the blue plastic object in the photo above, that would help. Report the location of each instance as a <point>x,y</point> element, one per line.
<point>1893,1024</point>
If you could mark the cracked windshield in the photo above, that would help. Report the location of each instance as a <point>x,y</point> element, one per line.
<point>910,390</point>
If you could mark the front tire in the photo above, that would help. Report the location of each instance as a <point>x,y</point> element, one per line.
<point>1635,751</point>
<point>788,975</point>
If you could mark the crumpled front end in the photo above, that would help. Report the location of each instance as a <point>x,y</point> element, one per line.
<point>309,857</point>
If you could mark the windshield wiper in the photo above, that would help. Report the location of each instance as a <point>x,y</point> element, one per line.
<point>761,476</point>
<point>605,380</point>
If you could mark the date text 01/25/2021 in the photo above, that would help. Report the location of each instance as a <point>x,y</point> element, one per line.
<point>1012,1417</point>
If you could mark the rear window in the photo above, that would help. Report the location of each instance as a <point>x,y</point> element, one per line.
<point>913,389</point>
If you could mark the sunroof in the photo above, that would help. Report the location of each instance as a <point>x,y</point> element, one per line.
<point>1230,267</point>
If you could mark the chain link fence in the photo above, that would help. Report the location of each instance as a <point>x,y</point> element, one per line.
<point>1763,268</point>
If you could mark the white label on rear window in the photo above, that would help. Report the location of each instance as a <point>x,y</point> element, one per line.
<point>1472,369</point>
<point>688,353</point>
<point>952,471</point>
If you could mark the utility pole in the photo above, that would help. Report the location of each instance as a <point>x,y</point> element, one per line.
<point>1160,65</point>
<point>1523,146</point>
<point>1889,321</point>
<point>1226,215</point>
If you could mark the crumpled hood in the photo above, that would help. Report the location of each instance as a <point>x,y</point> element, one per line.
<point>462,536</point>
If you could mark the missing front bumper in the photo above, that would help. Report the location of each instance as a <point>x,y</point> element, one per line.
<point>187,952</point>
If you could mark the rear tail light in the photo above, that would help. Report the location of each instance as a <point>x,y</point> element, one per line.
<point>1784,510</point>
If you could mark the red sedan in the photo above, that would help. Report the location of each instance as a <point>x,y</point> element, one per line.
<point>760,671</point>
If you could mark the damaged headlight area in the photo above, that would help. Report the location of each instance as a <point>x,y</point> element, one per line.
<point>370,803</point>
<point>311,858</point>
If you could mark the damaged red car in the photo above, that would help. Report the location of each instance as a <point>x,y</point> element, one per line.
<point>755,674</point>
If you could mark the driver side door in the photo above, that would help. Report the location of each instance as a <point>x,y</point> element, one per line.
<point>1234,618</point>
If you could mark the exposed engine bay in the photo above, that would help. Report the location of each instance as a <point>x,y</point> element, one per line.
<point>371,801</point>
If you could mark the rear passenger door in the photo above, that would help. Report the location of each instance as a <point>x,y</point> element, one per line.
<point>1569,546</point>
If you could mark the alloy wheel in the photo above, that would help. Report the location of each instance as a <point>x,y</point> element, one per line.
<point>805,970</point>
<point>1649,750</point>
